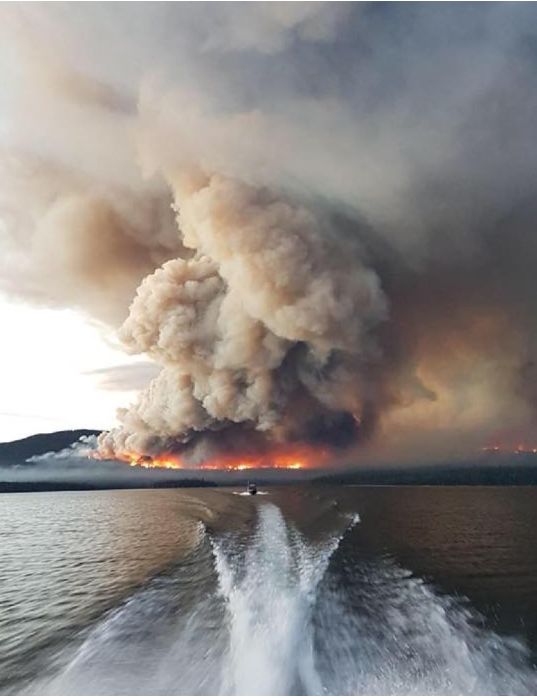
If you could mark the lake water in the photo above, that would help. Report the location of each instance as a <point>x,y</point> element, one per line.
<point>356,590</point>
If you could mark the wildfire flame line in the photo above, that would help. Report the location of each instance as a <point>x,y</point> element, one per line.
<point>519,449</point>
<point>296,460</point>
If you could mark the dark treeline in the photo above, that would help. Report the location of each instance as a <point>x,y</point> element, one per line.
<point>503,475</point>
<point>62,486</point>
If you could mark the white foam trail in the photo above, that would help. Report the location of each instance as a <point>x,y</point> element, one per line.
<point>270,599</point>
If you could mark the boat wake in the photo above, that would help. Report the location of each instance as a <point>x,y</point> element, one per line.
<point>275,614</point>
<point>270,595</point>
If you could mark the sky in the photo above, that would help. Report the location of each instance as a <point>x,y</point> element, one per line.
<point>47,364</point>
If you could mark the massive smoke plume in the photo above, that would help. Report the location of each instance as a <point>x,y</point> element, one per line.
<point>317,220</point>
<point>269,323</point>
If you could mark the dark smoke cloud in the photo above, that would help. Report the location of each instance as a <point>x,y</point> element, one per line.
<point>351,256</point>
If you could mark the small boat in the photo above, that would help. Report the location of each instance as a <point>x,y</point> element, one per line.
<point>251,488</point>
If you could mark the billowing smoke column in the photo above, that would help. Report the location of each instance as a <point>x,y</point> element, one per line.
<point>318,220</point>
<point>265,323</point>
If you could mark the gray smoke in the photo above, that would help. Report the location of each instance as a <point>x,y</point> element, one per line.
<point>272,304</point>
<point>321,215</point>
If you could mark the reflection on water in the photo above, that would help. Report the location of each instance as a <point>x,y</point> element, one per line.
<point>69,556</point>
<point>207,592</point>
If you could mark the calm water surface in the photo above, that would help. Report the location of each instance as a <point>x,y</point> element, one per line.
<point>300,590</point>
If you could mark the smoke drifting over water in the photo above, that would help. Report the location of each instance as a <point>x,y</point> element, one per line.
<point>316,219</point>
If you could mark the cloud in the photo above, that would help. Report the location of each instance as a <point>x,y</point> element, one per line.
<point>125,377</point>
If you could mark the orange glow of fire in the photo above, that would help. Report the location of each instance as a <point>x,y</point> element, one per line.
<point>518,449</point>
<point>299,459</point>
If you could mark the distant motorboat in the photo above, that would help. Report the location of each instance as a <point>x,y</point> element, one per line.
<point>251,488</point>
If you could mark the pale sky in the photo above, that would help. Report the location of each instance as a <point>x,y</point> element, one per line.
<point>45,358</point>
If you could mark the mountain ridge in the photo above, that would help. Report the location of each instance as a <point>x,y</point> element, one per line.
<point>19,450</point>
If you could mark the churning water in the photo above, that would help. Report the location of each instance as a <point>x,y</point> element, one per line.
<point>269,608</point>
<point>270,595</point>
